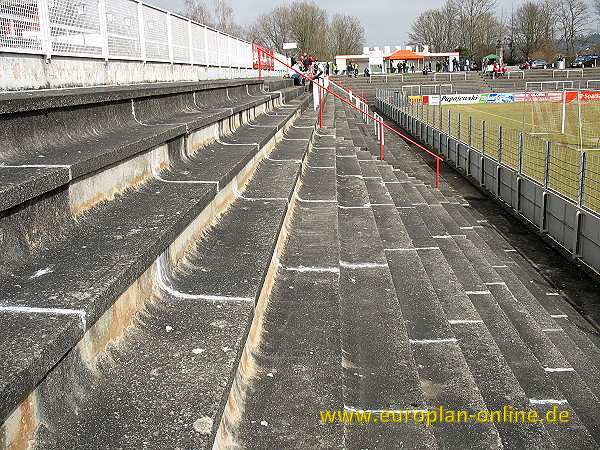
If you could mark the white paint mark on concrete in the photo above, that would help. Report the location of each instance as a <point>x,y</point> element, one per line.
<point>51,311</point>
<point>433,341</point>
<point>546,401</point>
<point>300,199</point>
<point>558,369</point>
<point>559,316</point>
<point>463,322</point>
<point>478,292</point>
<point>361,265</point>
<point>41,273</point>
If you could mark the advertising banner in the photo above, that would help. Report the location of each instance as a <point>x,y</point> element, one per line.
<point>583,96</point>
<point>539,97</point>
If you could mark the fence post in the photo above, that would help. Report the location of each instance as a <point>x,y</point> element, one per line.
<point>142,31</point>
<point>520,150</point>
<point>190,45</point>
<point>449,122</point>
<point>470,131</point>
<point>483,136</point>
<point>103,28</point>
<point>547,165</point>
<point>44,18</point>
<point>582,168</point>
<point>458,126</point>
<point>500,143</point>
<point>170,38</point>
<point>206,54</point>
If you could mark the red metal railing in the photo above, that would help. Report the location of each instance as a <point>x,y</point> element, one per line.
<point>381,123</point>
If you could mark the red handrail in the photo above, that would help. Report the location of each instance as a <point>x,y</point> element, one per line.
<point>380,122</point>
<point>344,88</point>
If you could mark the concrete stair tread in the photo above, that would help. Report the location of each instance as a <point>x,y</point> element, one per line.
<point>196,328</point>
<point>80,274</point>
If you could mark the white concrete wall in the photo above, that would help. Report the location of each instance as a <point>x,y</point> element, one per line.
<point>22,72</point>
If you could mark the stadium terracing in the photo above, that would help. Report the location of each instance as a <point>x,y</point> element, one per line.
<point>195,253</point>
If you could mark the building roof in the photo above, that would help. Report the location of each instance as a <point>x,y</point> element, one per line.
<point>405,55</point>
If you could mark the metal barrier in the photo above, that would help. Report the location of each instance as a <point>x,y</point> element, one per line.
<point>567,72</point>
<point>450,75</point>
<point>556,84</point>
<point>378,120</point>
<point>118,30</point>
<point>554,187</point>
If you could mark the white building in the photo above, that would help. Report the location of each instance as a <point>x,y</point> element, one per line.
<point>378,59</point>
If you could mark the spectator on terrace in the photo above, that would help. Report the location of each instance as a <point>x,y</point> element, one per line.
<point>295,75</point>
<point>349,69</point>
<point>400,70</point>
<point>367,73</point>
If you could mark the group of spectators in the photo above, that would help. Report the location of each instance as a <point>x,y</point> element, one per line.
<point>495,70</point>
<point>307,66</point>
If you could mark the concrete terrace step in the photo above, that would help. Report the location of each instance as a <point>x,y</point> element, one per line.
<point>100,269</point>
<point>112,124</point>
<point>294,349</point>
<point>438,361</point>
<point>183,350</point>
<point>408,195</point>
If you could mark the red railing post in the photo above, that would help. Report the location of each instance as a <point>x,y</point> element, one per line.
<point>258,49</point>
<point>437,174</point>
<point>380,143</point>
<point>372,117</point>
<point>320,106</point>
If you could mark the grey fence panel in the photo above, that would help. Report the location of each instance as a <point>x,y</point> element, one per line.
<point>571,228</point>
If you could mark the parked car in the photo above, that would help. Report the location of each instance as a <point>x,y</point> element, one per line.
<point>586,61</point>
<point>539,64</point>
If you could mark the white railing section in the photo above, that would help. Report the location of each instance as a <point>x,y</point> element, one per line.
<point>543,85</point>
<point>117,30</point>
<point>450,75</point>
<point>597,82</point>
<point>567,72</point>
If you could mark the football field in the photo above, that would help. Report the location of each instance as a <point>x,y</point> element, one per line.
<point>500,130</point>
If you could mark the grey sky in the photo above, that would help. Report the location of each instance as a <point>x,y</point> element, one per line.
<point>386,21</point>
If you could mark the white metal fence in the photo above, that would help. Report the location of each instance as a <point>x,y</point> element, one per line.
<point>117,30</point>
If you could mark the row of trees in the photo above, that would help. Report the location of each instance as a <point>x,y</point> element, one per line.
<point>535,29</point>
<point>301,21</point>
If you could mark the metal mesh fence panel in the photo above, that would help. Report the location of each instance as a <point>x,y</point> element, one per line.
<point>510,147</point>
<point>156,34</point>
<point>591,185</point>
<point>75,28</point>
<point>20,26</point>
<point>123,27</point>
<point>198,44</point>
<point>534,158</point>
<point>180,40</point>
<point>213,48</point>
<point>563,171</point>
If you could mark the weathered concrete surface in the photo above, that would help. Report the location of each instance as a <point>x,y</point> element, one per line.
<point>96,258</point>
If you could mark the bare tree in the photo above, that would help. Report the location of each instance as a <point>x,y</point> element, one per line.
<point>272,29</point>
<point>307,24</point>
<point>474,19</point>
<point>573,17</point>
<point>532,27</point>
<point>346,35</point>
<point>225,18</point>
<point>198,11</point>
<point>307,27</point>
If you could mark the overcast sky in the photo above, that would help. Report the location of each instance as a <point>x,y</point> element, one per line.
<point>386,21</point>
